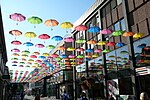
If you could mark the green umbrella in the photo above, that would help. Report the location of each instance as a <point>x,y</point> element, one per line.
<point>111,56</point>
<point>124,52</point>
<point>80,41</point>
<point>25,52</point>
<point>50,47</point>
<point>117,33</point>
<point>106,51</point>
<point>14,58</point>
<point>35,20</point>
<point>22,63</point>
<point>80,56</point>
<point>58,58</point>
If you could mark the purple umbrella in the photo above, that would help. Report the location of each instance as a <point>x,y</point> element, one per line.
<point>17,17</point>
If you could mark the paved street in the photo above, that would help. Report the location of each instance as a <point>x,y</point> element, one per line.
<point>42,98</point>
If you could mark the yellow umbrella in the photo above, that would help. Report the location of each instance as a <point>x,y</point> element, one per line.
<point>138,35</point>
<point>101,43</point>
<point>30,34</point>
<point>45,54</point>
<point>24,56</point>
<point>15,54</point>
<point>70,49</point>
<point>30,60</point>
<point>95,56</point>
<point>66,25</point>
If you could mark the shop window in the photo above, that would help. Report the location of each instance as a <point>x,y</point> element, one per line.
<point>122,23</point>
<point>119,2</point>
<point>113,4</point>
<point>117,26</point>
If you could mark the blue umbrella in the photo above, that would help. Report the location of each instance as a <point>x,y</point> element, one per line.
<point>141,45</point>
<point>120,44</point>
<point>89,50</point>
<point>94,29</point>
<point>63,56</point>
<point>57,38</point>
<point>14,65</point>
<point>28,44</point>
<point>87,59</point>
<point>42,57</point>
<point>49,65</point>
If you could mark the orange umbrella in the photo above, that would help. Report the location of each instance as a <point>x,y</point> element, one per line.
<point>15,32</point>
<point>51,23</point>
<point>126,34</point>
<point>61,48</point>
<point>91,42</point>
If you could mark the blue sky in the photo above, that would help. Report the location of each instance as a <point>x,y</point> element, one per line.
<point>61,10</point>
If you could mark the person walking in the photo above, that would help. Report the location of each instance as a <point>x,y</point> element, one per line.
<point>65,96</point>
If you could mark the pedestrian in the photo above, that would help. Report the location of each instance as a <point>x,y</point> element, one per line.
<point>65,96</point>
<point>83,96</point>
<point>37,97</point>
<point>143,96</point>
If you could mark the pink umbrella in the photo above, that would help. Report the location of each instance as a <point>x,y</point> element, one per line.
<point>39,46</point>
<point>17,17</point>
<point>81,28</point>
<point>33,56</point>
<point>44,36</point>
<point>71,56</point>
<point>106,31</point>
<point>39,61</point>
<point>98,50</point>
<point>54,55</point>
<point>69,39</point>
<point>16,42</point>
<point>15,50</point>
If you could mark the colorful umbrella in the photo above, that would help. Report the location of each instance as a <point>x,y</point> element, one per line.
<point>61,48</point>
<point>50,47</point>
<point>14,58</point>
<point>126,34</point>
<point>138,35</point>
<point>30,35</point>
<point>24,56</point>
<point>94,29</point>
<point>80,49</point>
<point>17,17</point>
<point>28,44</point>
<point>89,50</point>
<point>147,48</point>
<point>36,53</point>
<point>30,60</point>
<point>54,55</point>
<point>15,50</point>
<point>57,38</point>
<point>39,46</point>
<point>42,57</point>
<point>45,54</point>
<point>71,56</point>
<point>141,45</point>
<point>63,56</point>
<point>44,36</point>
<point>35,20</point>
<point>66,25</point>
<point>14,62</point>
<point>106,51</point>
<point>81,28</point>
<point>106,31</point>
<point>33,56</point>
<point>101,43</point>
<point>80,56</point>
<point>111,44</point>
<point>124,52</point>
<point>98,50</point>
<point>69,39</point>
<point>91,42</point>
<point>80,41</point>
<point>117,33</point>
<point>15,32</point>
<point>15,54</point>
<point>95,56</point>
<point>25,52</point>
<point>120,44</point>
<point>38,61</point>
<point>16,42</point>
<point>70,49</point>
<point>51,23</point>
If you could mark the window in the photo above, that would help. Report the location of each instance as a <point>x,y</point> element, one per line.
<point>103,12</point>
<point>113,4</point>
<point>108,9</point>
<point>119,2</point>
<point>123,27</point>
<point>117,26</point>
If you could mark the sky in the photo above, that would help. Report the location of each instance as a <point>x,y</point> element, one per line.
<point>60,10</point>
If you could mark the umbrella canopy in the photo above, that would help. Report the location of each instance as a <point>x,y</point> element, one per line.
<point>24,55</point>
<point>80,41</point>
<point>61,48</point>
<point>71,56</point>
<point>106,51</point>
<point>98,50</point>
<point>63,56</point>
<point>17,17</point>
<point>54,55</point>
<point>14,62</point>
<point>15,32</point>
<point>106,31</point>
<point>28,44</point>
<point>111,44</point>
<point>14,58</point>
<point>147,48</point>
<point>33,56</point>
<point>91,42</point>
<point>39,46</point>
<point>57,38</point>
<point>30,60</point>
<point>69,39</point>
<point>126,34</point>
<point>89,50</point>
<point>124,52</point>
<point>95,56</point>
<point>94,29</point>
<point>51,23</point>
<point>15,50</point>
<point>80,49</point>
<point>38,61</point>
<point>120,44</point>
<point>117,33</point>
<point>80,56</point>
<point>45,54</point>
<point>36,53</point>
<point>70,49</point>
<point>15,54</point>
<point>16,42</point>
<point>138,35</point>
<point>42,57</point>
<point>35,20</point>
<point>50,46</point>
<point>66,25</point>
<point>141,45</point>
<point>44,36</point>
<point>30,34</point>
<point>25,52</point>
<point>81,28</point>
<point>101,43</point>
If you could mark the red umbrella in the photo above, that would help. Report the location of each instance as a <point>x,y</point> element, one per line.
<point>44,36</point>
<point>111,44</point>
<point>33,56</point>
<point>81,28</point>
<point>147,48</point>
<point>39,46</point>
<point>39,61</point>
<point>16,42</point>
<point>80,49</point>
<point>17,17</point>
